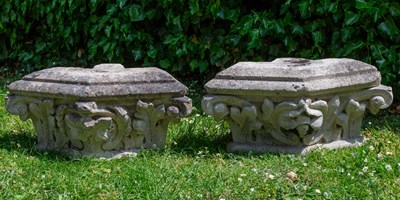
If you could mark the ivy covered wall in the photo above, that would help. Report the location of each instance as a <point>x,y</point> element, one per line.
<point>197,38</point>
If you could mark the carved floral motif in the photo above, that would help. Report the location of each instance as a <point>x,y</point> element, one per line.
<point>299,122</point>
<point>93,127</point>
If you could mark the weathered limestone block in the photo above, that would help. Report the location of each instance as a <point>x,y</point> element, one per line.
<point>106,108</point>
<point>292,105</point>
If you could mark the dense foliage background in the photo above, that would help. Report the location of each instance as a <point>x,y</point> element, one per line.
<point>197,38</point>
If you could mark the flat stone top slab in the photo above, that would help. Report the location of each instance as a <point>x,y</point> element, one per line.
<point>102,81</point>
<point>293,77</point>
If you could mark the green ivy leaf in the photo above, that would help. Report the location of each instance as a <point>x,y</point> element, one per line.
<point>171,40</point>
<point>254,39</point>
<point>361,4</point>
<point>93,30</point>
<point>304,6</point>
<point>298,30</point>
<point>246,27</point>
<point>106,47</point>
<point>333,7</point>
<point>194,64</point>
<point>381,62</point>
<point>137,54</point>
<point>121,3</point>
<point>216,55</point>
<point>165,63</point>
<point>181,51</point>
<point>378,50</point>
<point>323,6</point>
<point>351,18</point>
<point>232,15</point>
<point>13,37</point>
<point>152,52</point>
<point>136,13</point>
<point>169,15</point>
<point>125,28</point>
<point>107,30</point>
<point>221,13</point>
<point>111,9</point>
<point>67,32</point>
<point>278,27</point>
<point>351,47</point>
<point>40,46</point>
<point>177,22</point>
<point>198,64</point>
<point>194,7</point>
<point>92,48</point>
<point>284,7</point>
<point>28,27</point>
<point>164,3</point>
<point>25,56</point>
<point>214,10</point>
<point>318,37</point>
<point>233,40</point>
<point>75,26</point>
<point>346,33</point>
<point>150,14</point>
<point>376,16</point>
<point>395,9</point>
<point>385,27</point>
<point>290,44</point>
<point>203,66</point>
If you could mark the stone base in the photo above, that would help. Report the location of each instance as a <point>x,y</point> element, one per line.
<point>302,150</point>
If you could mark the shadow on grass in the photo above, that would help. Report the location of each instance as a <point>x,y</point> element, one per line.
<point>188,144</point>
<point>25,143</point>
<point>383,120</point>
<point>193,144</point>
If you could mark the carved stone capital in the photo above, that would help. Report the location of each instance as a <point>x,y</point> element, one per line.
<point>105,109</point>
<point>295,104</point>
<point>296,124</point>
<point>93,127</point>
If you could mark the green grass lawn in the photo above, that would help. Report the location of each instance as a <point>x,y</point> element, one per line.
<point>195,165</point>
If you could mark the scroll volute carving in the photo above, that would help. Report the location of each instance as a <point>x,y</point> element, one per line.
<point>301,122</point>
<point>42,113</point>
<point>92,127</point>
